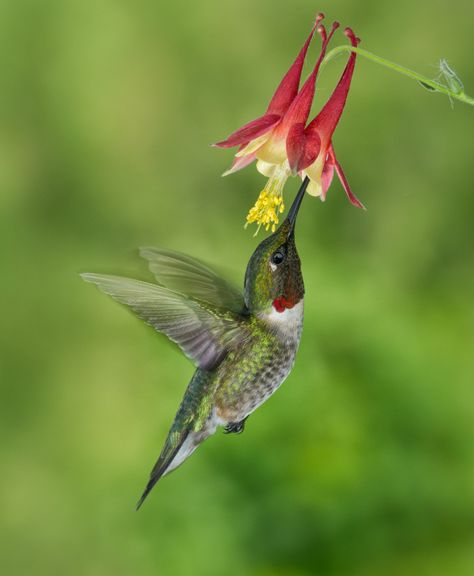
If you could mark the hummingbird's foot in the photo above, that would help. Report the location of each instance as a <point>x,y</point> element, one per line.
<point>235,427</point>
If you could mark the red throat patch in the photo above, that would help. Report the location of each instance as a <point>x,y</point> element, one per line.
<point>281,304</point>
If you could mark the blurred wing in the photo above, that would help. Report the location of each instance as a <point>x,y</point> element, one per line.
<point>203,334</point>
<point>187,275</point>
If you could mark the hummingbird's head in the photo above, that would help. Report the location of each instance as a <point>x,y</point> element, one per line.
<point>273,277</point>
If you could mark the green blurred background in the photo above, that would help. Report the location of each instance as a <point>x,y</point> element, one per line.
<point>363,463</point>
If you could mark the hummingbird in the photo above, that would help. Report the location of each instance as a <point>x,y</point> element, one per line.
<point>243,344</point>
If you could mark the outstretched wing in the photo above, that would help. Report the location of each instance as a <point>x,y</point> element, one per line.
<point>203,333</point>
<point>189,276</point>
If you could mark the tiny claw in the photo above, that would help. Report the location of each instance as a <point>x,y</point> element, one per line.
<point>235,427</point>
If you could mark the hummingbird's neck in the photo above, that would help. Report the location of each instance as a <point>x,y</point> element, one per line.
<point>287,321</point>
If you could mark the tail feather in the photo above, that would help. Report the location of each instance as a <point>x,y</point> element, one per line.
<point>173,445</point>
<point>193,423</point>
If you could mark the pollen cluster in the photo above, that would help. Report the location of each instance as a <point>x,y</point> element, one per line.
<point>269,203</point>
<point>265,211</point>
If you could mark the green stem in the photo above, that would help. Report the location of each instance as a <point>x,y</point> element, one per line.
<point>427,82</point>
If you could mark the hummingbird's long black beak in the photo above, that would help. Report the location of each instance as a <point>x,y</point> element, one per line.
<point>293,213</point>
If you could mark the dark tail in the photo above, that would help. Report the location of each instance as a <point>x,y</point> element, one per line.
<point>173,444</point>
<point>185,434</point>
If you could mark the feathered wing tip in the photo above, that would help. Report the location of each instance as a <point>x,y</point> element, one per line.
<point>192,277</point>
<point>202,334</point>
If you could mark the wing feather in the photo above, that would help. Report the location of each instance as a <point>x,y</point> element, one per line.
<point>203,333</point>
<point>182,273</point>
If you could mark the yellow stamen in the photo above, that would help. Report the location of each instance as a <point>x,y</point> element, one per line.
<point>270,200</point>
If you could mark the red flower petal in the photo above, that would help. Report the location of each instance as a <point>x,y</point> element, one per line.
<point>249,131</point>
<point>345,184</point>
<point>326,121</point>
<point>240,162</point>
<point>326,178</point>
<point>288,87</point>
<point>302,148</point>
<point>301,106</point>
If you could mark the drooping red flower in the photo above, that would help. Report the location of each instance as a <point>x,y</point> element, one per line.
<point>310,150</point>
<point>252,134</point>
<point>281,142</point>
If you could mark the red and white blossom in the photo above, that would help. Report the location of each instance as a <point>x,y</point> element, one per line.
<point>281,141</point>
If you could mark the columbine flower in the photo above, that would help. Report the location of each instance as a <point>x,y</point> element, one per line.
<point>310,150</point>
<point>282,145</point>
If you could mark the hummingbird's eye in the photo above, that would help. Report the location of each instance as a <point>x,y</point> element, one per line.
<point>278,257</point>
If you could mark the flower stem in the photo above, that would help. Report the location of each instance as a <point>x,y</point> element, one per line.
<point>426,82</point>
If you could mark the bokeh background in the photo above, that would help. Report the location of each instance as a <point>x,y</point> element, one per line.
<point>363,462</point>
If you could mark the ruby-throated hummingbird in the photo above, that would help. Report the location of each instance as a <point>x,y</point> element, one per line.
<point>244,346</point>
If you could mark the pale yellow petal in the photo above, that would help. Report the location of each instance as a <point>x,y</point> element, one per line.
<point>273,150</point>
<point>314,188</point>
<point>253,145</point>
<point>265,168</point>
<point>314,174</point>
